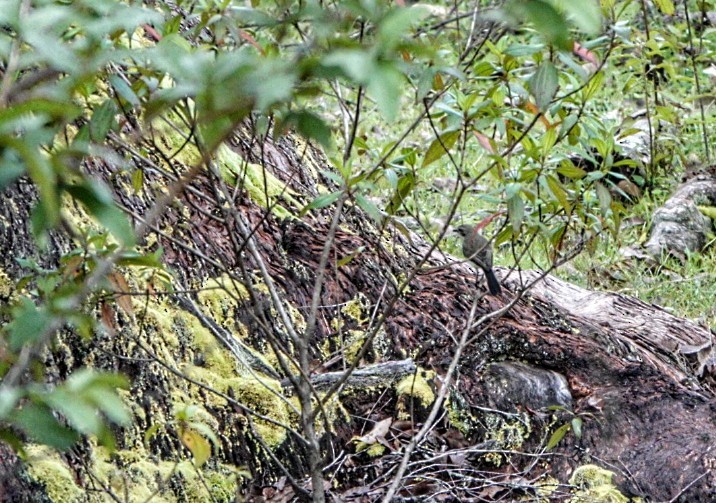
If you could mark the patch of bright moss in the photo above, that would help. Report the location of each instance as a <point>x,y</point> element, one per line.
<point>263,188</point>
<point>144,477</point>
<point>47,467</point>
<point>459,414</point>
<point>263,396</point>
<point>357,309</point>
<point>220,297</point>
<point>373,450</point>
<point>415,386</point>
<point>595,484</point>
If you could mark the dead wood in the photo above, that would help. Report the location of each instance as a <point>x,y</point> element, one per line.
<point>629,370</point>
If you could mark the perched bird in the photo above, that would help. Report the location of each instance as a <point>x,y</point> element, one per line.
<point>478,250</point>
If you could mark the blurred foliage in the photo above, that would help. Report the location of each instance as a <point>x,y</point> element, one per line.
<point>497,100</point>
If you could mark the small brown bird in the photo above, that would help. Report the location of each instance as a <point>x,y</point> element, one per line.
<point>479,251</point>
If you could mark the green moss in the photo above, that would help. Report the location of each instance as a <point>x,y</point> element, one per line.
<point>352,345</point>
<point>142,477</point>
<point>47,467</point>
<point>373,450</point>
<point>263,188</point>
<point>262,395</point>
<point>357,309</point>
<point>595,484</point>
<point>415,386</point>
<point>546,487</point>
<point>220,297</point>
<point>459,414</point>
<point>222,487</point>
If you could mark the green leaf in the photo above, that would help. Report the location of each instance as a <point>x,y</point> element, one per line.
<point>406,184</point>
<point>384,87</point>
<point>577,427</point>
<point>322,201</point>
<point>79,413</point>
<point>546,19</point>
<point>103,120</point>
<point>370,208</point>
<point>11,168</point>
<point>568,169</point>
<point>39,423</point>
<point>198,445</point>
<point>544,84</point>
<point>356,64</point>
<point>133,258</point>
<point>396,23</point>
<point>347,259</point>
<point>515,211</point>
<point>138,180</point>
<point>28,324</point>
<point>151,433</point>
<point>108,401</point>
<point>438,147</point>
<point>98,201</point>
<point>665,6</point>
<point>311,126</point>
<point>568,124</point>
<point>8,400</point>
<point>556,188</point>
<point>123,90</point>
<point>605,198</point>
<point>557,436</point>
<point>586,14</point>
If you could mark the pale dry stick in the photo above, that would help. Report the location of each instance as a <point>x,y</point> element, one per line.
<point>345,113</point>
<point>429,422</point>
<point>304,389</point>
<point>473,26</point>
<point>302,384</point>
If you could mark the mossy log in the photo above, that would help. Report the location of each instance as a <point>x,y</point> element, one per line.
<point>637,378</point>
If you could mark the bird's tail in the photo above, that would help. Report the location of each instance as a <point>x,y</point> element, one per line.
<point>492,284</point>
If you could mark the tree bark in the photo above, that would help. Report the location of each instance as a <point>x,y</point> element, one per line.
<point>639,379</point>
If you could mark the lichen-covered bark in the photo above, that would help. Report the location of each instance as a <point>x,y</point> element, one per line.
<point>611,361</point>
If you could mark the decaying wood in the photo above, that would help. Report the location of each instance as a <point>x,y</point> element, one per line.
<point>631,372</point>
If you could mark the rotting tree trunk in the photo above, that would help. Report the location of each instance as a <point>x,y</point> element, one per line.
<point>637,377</point>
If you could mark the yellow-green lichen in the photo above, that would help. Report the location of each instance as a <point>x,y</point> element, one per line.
<point>259,394</point>
<point>546,487</point>
<point>595,484</point>
<point>143,477</point>
<point>357,309</point>
<point>373,450</point>
<point>332,411</point>
<point>220,297</point>
<point>415,386</point>
<point>263,187</point>
<point>165,129</point>
<point>508,432</point>
<point>353,342</point>
<point>47,467</point>
<point>6,285</point>
<point>459,414</point>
